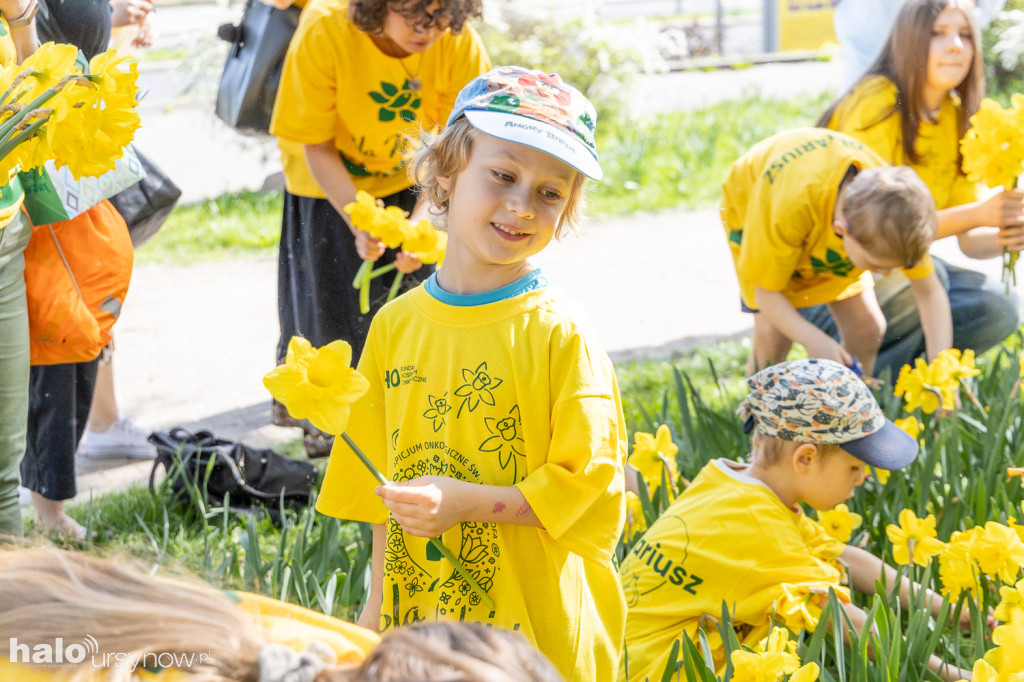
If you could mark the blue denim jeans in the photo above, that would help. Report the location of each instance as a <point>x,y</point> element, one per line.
<point>14,369</point>
<point>983,315</point>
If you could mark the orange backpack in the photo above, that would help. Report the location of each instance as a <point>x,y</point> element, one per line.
<point>76,277</point>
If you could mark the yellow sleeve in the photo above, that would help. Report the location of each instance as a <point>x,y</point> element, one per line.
<point>760,591</point>
<point>304,110</point>
<point>776,228</point>
<point>578,494</point>
<point>347,490</point>
<point>869,114</point>
<point>921,270</point>
<point>821,544</point>
<point>469,60</point>
<point>297,627</point>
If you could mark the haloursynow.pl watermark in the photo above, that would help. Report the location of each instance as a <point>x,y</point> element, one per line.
<point>63,654</point>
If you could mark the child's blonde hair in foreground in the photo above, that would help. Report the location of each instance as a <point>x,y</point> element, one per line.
<point>446,155</point>
<point>46,593</point>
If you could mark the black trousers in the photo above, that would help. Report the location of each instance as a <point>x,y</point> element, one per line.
<point>58,407</point>
<point>317,262</point>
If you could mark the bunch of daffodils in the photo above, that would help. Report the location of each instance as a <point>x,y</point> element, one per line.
<point>55,107</point>
<point>930,386</point>
<point>391,226</point>
<point>993,151</point>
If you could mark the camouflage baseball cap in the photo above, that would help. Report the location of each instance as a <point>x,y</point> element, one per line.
<point>821,401</point>
<point>561,120</point>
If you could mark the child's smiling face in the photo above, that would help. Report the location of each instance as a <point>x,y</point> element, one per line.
<point>505,206</point>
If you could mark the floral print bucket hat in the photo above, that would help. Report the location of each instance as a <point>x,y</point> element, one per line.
<point>821,401</point>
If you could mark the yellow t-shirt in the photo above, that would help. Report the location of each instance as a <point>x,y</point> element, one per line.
<point>336,84</point>
<point>777,206</point>
<point>507,393</point>
<point>728,538</point>
<point>282,623</point>
<point>870,113</point>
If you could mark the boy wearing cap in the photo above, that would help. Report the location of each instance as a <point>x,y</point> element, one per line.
<point>491,409</point>
<point>737,535</point>
<point>810,214</point>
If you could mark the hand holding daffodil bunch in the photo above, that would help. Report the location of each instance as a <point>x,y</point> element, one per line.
<point>319,384</point>
<point>389,227</point>
<point>56,107</point>
<point>993,151</point>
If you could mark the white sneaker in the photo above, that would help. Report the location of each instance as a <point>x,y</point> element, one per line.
<point>24,496</point>
<point>122,439</point>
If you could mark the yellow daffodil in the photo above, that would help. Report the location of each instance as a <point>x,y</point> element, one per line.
<point>993,149</point>
<point>806,673</point>
<point>636,522</point>
<point>777,641</point>
<point>914,385</point>
<point>913,539</point>
<point>983,672</point>
<point>427,242</point>
<point>800,605</point>
<point>839,522</point>
<point>998,551</point>
<point>318,384</point>
<point>653,454</point>
<point>115,77</point>
<point>1008,656</point>
<point>386,223</point>
<point>748,666</point>
<point>957,570</point>
<point>48,65</point>
<point>1011,599</point>
<point>362,211</point>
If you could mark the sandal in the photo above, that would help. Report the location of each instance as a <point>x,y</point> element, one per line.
<point>280,417</point>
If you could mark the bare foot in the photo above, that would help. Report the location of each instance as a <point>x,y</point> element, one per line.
<point>51,518</point>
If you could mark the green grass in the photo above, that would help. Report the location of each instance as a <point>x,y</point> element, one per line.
<point>667,161</point>
<point>232,225</point>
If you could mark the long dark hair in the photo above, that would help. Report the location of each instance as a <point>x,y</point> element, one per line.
<point>904,61</point>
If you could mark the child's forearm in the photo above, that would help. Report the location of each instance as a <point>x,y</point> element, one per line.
<point>430,505</point>
<point>784,317</point>
<point>866,568</point>
<point>933,309</point>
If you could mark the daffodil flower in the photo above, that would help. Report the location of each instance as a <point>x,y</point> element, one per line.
<point>800,605</point>
<point>839,522</point>
<point>958,572</point>
<point>654,454</point>
<point>319,384</point>
<point>913,539</point>
<point>998,551</point>
<point>1011,599</point>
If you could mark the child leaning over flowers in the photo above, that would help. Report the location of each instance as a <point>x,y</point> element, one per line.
<point>490,408</point>
<point>737,535</point>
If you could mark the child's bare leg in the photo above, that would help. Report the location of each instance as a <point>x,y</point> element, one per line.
<point>769,347</point>
<point>861,327</point>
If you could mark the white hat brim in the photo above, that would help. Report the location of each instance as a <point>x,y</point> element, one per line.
<point>539,135</point>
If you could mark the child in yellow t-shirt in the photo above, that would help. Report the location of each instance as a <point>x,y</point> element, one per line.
<point>809,215</point>
<point>737,535</point>
<point>490,407</point>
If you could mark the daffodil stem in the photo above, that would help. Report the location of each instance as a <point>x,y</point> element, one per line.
<point>361,273</point>
<point>395,286</point>
<point>1010,258</point>
<point>383,270</point>
<point>364,297</point>
<point>9,124</point>
<point>12,144</point>
<point>438,544</point>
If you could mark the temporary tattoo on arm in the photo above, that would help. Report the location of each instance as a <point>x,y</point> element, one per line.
<point>524,509</point>
<point>498,508</point>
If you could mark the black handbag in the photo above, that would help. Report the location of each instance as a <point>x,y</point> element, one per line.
<point>252,72</point>
<point>248,478</point>
<point>146,204</point>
